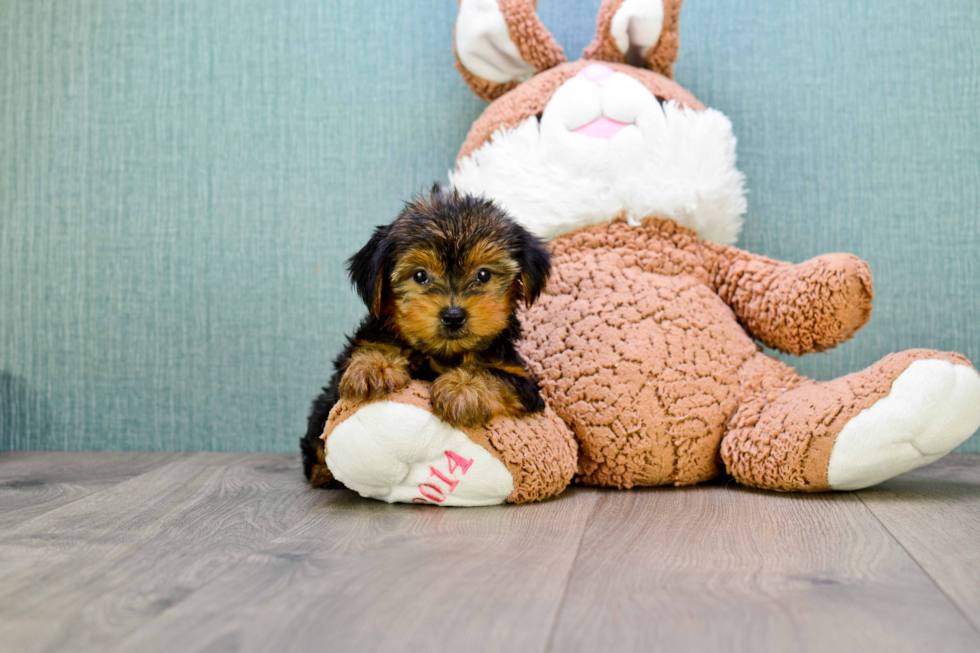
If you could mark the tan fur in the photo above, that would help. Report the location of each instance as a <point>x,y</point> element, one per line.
<point>453,265</point>
<point>470,396</point>
<point>419,259</point>
<point>373,372</point>
<point>488,306</point>
<point>320,475</point>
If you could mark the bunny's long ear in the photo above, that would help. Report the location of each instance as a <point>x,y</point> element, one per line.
<point>638,32</point>
<point>501,43</point>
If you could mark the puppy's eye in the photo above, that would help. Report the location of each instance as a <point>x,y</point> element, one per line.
<point>483,275</point>
<point>421,277</point>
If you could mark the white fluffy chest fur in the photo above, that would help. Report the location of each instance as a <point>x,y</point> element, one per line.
<point>606,147</point>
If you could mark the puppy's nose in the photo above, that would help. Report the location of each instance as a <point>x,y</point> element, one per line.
<point>453,318</point>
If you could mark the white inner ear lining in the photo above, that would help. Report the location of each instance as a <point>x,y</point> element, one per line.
<point>483,43</point>
<point>636,27</point>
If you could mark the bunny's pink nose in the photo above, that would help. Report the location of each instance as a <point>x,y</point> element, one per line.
<point>595,72</point>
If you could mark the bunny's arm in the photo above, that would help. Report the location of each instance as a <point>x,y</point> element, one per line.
<point>807,307</point>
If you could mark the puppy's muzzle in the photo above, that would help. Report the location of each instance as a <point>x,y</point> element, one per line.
<point>453,318</point>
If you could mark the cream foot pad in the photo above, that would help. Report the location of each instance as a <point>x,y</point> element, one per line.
<point>400,453</point>
<point>932,407</point>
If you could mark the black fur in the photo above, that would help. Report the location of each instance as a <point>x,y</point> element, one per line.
<point>367,268</point>
<point>535,262</point>
<point>446,217</point>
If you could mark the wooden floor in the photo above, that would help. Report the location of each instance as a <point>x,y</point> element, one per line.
<point>233,552</point>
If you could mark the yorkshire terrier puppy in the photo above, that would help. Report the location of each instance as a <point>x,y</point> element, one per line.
<point>442,284</point>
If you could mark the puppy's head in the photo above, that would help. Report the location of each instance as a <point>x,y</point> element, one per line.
<point>449,272</point>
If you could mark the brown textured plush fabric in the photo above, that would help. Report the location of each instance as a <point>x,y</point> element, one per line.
<point>809,307</point>
<point>786,425</point>
<point>483,88</point>
<point>534,42</point>
<point>603,46</point>
<point>637,353</point>
<point>642,344</point>
<point>660,58</point>
<point>644,341</point>
<point>530,98</point>
<point>539,451</point>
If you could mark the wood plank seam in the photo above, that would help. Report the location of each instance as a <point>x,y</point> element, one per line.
<point>571,569</point>
<point>203,459</point>
<point>325,560</point>
<point>919,564</point>
<point>697,569</point>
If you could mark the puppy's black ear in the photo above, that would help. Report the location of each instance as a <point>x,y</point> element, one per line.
<point>368,269</point>
<point>535,262</point>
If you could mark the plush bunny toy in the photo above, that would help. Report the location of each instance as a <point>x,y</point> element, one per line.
<point>645,340</point>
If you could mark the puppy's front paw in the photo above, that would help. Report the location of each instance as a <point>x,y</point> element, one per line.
<point>463,398</point>
<point>373,374</point>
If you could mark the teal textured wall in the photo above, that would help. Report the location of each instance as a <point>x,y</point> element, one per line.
<point>180,182</point>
